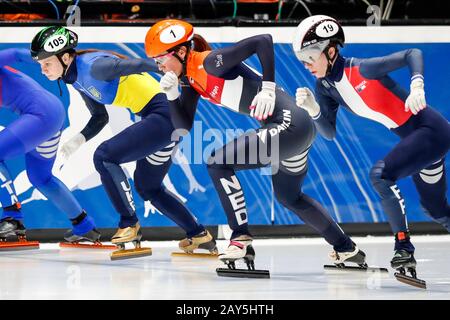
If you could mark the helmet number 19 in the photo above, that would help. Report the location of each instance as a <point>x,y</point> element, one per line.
<point>327,29</point>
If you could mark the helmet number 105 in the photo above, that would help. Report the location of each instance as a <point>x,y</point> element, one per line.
<point>54,43</point>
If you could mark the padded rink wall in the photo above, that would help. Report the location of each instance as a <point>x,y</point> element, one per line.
<point>338,170</point>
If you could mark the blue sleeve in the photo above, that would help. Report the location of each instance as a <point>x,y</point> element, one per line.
<point>220,61</point>
<point>182,110</point>
<point>99,117</point>
<point>110,68</point>
<point>14,55</point>
<point>325,122</point>
<point>375,68</point>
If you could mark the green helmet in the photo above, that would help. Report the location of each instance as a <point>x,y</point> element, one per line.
<point>52,41</point>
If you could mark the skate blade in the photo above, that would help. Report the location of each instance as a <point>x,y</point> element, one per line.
<point>418,283</point>
<point>243,273</point>
<point>195,255</point>
<point>19,245</point>
<point>131,253</point>
<point>87,246</point>
<point>354,268</point>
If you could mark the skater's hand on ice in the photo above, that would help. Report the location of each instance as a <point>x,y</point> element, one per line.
<point>169,85</point>
<point>69,148</point>
<point>264,102</point>
<point>416,99</point>
<point>304,99</point>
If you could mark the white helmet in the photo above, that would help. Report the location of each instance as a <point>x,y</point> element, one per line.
<point>314,34</point>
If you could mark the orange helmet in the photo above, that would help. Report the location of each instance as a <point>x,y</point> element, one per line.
<point>165,35</point>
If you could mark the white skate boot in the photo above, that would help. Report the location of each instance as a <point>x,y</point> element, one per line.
<point>240,248</point>
<point>355,255</point>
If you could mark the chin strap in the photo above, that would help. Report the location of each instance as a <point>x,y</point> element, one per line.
<point>63,73</point>
<point>183,62</point>
<point>329,60</point>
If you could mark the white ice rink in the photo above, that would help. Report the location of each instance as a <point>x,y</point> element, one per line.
<point>296,267</point>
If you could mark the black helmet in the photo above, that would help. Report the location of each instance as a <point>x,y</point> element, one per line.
<point>52,41</point>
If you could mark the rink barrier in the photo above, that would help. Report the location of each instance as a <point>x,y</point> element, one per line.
<point>258,231</point>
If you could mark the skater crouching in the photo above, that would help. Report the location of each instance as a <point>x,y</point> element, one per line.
<point>222,77</point>
<point>363,86</point>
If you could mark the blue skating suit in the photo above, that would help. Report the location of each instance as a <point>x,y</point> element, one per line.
<point>35,134</point>
<point>364,87</point>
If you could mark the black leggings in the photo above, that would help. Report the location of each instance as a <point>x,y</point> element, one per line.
<point>283,143</point>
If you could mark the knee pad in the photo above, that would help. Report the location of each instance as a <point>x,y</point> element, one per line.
<point>383,186</point>
<point>100,156</point>
<point>387,190</point>
<point>284,199</point>
<point>148,194</point>
<point>39,179</point>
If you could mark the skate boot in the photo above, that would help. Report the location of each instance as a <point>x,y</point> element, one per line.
<point>203,240</point>
<point>130,234</point>
<point>83,230</point>
<point>13,236</point>
<point>403,261</point>
<point>240,248</point>
<point>355,255</point>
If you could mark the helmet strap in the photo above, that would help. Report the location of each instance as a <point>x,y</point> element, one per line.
<point>59,56</point>
<point>182,61</point>
<point>329,60</point>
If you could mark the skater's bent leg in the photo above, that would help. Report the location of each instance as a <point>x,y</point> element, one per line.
<point>393,205</point>
<point>39,171</point>
<point>116,184</point>
<point>238,154</point>
<point>8,197</point>
<point>288,192</point>
<point>148,179</point>
<point>431,184</point>
<point>391,198</point>
<point>10,146</point>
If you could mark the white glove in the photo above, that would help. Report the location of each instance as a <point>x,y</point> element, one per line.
<point>169,85</point>
<point>416,99</point>
<point>263,103</point>
<point>72,145</point>
<point>304,99</point>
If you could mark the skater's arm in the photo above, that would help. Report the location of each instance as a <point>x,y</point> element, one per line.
<point>99,118</point>
<point>182,109</point>
<point>110,68</point>
<point>374,68</point>
<point>14,55</point>
<point>325,122</point>
<point>220,61</point>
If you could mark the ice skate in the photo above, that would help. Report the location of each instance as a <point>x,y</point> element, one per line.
<point>75,241</point>
<point>240,248</point>
<point>203,240</point>
<point>13,236</point>
<point>403,261</point>
<point>129,234</point>
<point>356,256</point>
<point>77,235</point>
